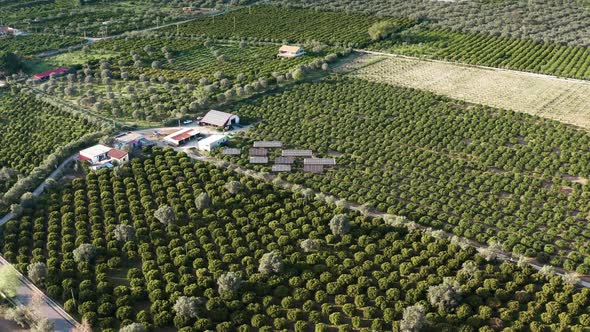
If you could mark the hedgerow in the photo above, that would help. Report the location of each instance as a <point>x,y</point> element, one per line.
<point>364,279</point>
<point>482,173</point>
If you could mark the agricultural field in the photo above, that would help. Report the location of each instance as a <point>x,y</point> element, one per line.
<point>169,242</point>
<point>276,24</point>
<point>486,50</point>
<point>158,79</point>
<point>89,20</point>
<point>483,173</point>
<point>567,101</point>
<point>37,43</point>
<point>32,131</point>
<point>562,22</point>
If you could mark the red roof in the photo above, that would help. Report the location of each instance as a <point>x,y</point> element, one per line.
<point>182,136</point>
<point>49,72</point>
<point>116,154</point>
<point>81,157</point>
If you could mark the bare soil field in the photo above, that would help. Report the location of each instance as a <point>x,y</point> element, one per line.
<point>559,99</point>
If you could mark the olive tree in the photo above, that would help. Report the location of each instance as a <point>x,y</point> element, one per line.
<point>133,327</point>
<point>37,271</point>
<point>186,306</point>
<point>84,253</point>
<point>9,282</point>
<point>202,201</point>
<point>233,187</point>
<point>340,224</point>
<point>165,215</point>
<point>310,245</point>
<point>445,295</point>
<point>414,318</point>
<point>124,232</point>
<point>229,282</point>
<point>270,262</point>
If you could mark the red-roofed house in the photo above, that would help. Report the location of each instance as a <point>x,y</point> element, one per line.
<point>102,156</point>
<point>47,74</point>
<point>219,119</point>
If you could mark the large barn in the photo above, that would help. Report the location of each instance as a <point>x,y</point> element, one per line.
<point>219,119</point>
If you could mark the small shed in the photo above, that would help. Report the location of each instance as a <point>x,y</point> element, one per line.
<point>313,168</point>
<point>219,119</point>
<point>296,153</point>
<point>212,142</point>
<point>268,144</point>
<point>182,136</point>
<point>231,152</point>
<point>319,161</point>
<point>281,168</point>
<point>258,160</point>
<point>258,152</point>
<point>284,160</point>
<point>289,51</point>
<point>46,74</point>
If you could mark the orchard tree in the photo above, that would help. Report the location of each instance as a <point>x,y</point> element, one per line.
<point>165,215</point>
<point>84,253</point>
<point>186,306</point>
<point>202,201</point>
<point>270,262</point>
<point>340,224</point>
<point>124,232</point>
<point>9,282</point>
<point>445,295</point>
<point>414,318</point>
<point>233,187</point>
<point>229,282</point>
<point>133,327</point>
<point>381,30</point>
<point>310,245</point>
<point>37,271</point>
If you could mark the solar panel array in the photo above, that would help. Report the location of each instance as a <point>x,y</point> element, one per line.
<point>268,144</point>
<point>231,152</point>
<point>296,153</point>
<point>319,161</point>
<point>284,160</point>
<point>281,168</point>
<point>259,152</point>
<point>258,160</point>
<point>313,168</point>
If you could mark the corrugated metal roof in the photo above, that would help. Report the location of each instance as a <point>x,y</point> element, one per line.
<point>319,161</point>
<point>284,160</point>
<point>296,153</point>
<point>258,160</point>
<point>260,152</point>
<point>231,152</point>
<point>216,118</point>
<point>281,168</point>
<point>313,168</point>
<point>268,144</point>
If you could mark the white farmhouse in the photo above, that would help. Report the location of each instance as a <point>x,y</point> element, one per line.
<point>212,142</point>
<point>102,156</point>
<point>288,51</point>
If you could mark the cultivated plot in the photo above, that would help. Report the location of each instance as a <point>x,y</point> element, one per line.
<point>559,99</point>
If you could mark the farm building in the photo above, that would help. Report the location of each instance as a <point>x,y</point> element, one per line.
<point>212,142</point>
<point>45,75</point>
<point>219,119</point>
<point>258,152</point>
<point>182,136</point>
<point>284,160</point>
<point>102,156</point>
<point>268,144</point>
<point>296,153</point>
<point>130,141</point>
<point>288,51</point>
<point>258,160</point>
<point>313,168</point>
<point>319,161</point>
<point>231,152</point>
<point>281,168</point>
<point>8,31</point>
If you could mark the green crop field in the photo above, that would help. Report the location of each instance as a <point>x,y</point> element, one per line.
<point>269,23</point>
<point>138,265</point>
<point>479,172</point>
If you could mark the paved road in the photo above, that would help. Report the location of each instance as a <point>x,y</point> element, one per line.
<point>62,321</point>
